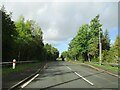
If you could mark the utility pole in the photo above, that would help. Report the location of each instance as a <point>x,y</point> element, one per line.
<point>100,49</point>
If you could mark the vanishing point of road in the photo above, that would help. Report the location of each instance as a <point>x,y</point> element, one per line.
<point>61,74</point>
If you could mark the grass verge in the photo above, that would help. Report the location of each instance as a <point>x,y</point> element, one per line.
<point>19,68</point>
<point>98,65</point>
<point>105,66</point>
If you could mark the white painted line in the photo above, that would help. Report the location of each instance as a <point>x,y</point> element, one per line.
<point>69,68</point>
<point>81,76</point>
<point>29,81</point>
<point>84,78</point>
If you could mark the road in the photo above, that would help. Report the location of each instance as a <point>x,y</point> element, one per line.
<point>61,74</point>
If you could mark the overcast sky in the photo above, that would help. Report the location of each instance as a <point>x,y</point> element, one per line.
<point>60,21</point>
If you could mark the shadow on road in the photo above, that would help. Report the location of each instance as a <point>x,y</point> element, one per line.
<point>60,84</point>
<point>68,80</point>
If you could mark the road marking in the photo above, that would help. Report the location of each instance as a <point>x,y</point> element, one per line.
<point>69,68</point>
<point>81,76</point>
<point>84,78</point>
<point>29,81</point>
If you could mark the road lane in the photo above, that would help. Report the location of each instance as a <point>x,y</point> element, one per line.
<point>100,79</point>
<point>61,74</point>
<point>84,78</point>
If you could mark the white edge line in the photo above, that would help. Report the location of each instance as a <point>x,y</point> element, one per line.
<point>29,81</point>
<point>84,78</point>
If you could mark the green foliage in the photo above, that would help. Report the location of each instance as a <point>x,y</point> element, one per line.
<point>64,54</point>
<point>117,43</point>
<point>79,44</point>
<point>117,46</point>
<point>105,41</point>
<point>23,40</point>
<point>93,47</point>
<point>93,43</point>
<point>112,54</point>
<point>52,53</point>
<point>20,68</point>
<point>106,66</point>
<point>85,45</point>
<point>8,35</point>
<point>105,56</point>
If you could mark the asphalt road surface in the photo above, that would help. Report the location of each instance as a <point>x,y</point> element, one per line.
<point>61,74</point>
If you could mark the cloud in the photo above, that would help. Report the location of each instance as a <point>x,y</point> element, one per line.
<point>41,10</point>
<point>110,16</point>
<point>61,20</point>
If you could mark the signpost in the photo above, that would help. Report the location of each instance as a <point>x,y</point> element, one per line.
<point>14,63</point>
<point>100,49</point>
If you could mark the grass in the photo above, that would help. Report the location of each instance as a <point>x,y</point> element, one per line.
<point>19,68</point>
<point>105,66</point>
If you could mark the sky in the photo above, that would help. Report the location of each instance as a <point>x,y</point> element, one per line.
<point>60,20</point>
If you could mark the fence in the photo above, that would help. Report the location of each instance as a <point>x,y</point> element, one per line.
<point>7,64</point>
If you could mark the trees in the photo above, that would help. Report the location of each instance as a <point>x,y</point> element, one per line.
<point>85,45</point>
<point>114,50</point>
<point>105,45</point>
<point>31,40</point>
<point>83,41</point>
<point>112,55</point>
<point>93,43</point>
<point>51,52</point>
<point>117,42</point>
<point>9,34</point>
<point>64,54</point>
<point>23,40</point>
<point>24,37</point>
<point>79,44</point>
<point>105,40</point>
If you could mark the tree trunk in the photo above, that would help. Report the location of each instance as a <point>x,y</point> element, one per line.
<point>88,58</point>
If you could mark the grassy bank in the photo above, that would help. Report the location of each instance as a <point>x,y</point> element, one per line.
<point>98,65</point>
<point>19,68</point>
<point>103,66</point>
<point>106,66</point>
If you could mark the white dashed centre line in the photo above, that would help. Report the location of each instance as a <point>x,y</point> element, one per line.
<point>69,68</point>
<point>84,78</point>
<point>81,77</point>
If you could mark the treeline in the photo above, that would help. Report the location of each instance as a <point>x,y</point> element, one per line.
<point>23,40</point>
<point>85,45</point>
